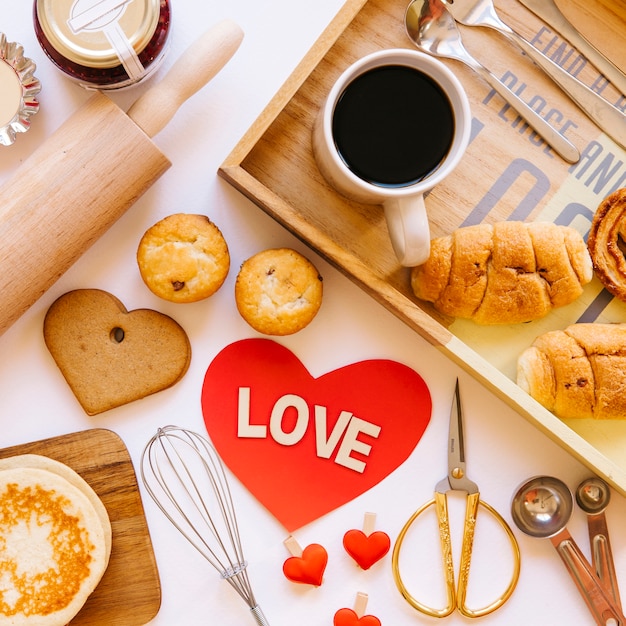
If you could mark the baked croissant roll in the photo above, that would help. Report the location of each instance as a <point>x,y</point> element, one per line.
<point>579,372</point>
<point>607,243</point>
<point>505,273</point>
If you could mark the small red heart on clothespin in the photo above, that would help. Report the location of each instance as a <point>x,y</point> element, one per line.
<point>349,617</point>
<point>305,566</point>
<point>366,546</point>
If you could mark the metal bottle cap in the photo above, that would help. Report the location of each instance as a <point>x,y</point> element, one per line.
<point>99,33</point>
<point>18,88</point>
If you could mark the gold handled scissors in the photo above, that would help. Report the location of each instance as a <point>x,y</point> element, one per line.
<point>456,480</point>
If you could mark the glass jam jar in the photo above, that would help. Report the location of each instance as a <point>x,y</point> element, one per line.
<point>103,44</point>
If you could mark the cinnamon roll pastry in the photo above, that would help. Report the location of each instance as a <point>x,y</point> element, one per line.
<point>607,243</point>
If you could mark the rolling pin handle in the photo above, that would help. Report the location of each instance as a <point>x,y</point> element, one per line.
<point>194,69</point>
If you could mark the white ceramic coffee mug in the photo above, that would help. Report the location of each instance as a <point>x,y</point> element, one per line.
<point>403,202</point>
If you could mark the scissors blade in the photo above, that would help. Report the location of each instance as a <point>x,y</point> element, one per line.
<point>456,448</point>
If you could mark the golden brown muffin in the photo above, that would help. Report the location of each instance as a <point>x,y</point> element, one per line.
<point>183,258</point>
<point>278,291</point>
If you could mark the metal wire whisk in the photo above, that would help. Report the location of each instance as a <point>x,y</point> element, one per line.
<point>185,477</point>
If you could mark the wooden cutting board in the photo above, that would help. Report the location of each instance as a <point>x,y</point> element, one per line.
<point>129,593</point>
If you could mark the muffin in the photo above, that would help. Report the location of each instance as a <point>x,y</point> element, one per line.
<point>278,291</point>
<point>183,258</point>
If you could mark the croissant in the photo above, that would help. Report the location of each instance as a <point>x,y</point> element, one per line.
<point>579,372</point>
<point>607,241</point>
<point>505,273</point>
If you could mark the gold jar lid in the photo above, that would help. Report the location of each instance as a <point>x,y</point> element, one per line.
<point>98,33</point>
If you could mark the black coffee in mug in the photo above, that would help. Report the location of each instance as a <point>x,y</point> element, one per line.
<point>393,126</point>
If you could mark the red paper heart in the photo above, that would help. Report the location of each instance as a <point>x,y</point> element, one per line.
<point>256,398</point>
<point>366,549</point>
<point>308,568</point>
<point>347,617</point>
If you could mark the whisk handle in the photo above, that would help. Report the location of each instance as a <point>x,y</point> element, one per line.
<point>258,616</point>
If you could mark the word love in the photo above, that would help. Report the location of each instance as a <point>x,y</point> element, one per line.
<point>344,434</point>
<point>305,445</point>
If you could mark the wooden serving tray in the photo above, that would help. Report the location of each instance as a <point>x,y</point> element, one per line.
<point>129,593</point>
<point>507,173</point>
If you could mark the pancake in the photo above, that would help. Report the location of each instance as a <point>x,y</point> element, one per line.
<point>55,541</point>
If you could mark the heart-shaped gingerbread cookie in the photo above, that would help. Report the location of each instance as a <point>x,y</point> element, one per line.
<point>110,356</point>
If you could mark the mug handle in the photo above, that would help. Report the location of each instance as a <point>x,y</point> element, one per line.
<point>407,223</point>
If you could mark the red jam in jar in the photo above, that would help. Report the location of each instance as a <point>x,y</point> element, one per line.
<point>103,44</point>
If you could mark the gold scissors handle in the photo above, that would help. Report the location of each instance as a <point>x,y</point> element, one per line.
<point>456,595</point>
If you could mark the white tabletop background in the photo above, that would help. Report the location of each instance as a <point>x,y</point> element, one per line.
<point>502,448</point>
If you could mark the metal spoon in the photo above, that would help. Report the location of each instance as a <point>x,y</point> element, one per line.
<point>593,496</point>
<point>433,30</point>
<point>541,507</point>
<point>606,117</point>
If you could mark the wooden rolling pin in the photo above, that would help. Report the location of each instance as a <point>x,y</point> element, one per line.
<point>89,172</point>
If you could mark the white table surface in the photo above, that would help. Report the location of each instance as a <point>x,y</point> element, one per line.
<point>502,448</point>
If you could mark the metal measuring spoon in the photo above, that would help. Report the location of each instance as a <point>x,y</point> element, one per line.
<point>593,496</point>
<point>433,30</point>
<point>541,508</point>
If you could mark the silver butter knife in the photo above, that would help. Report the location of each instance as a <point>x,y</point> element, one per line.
<point>550,13</point>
